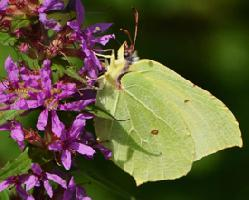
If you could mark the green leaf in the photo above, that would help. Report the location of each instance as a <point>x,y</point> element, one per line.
<point>6,39</point>
<point>62,17</point>
<point>32,63</point>
<point>8,115</point>
<point>20,22</point>
<point>18,166</point>
<point>58,72</point>
<point>4,195</point>
<point>104,180</point>
<point>73,74</point>
<point>171,122</point>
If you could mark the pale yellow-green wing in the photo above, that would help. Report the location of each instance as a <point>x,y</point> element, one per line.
<point>164,122</point>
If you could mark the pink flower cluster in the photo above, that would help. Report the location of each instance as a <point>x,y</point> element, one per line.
<point>27,89</point>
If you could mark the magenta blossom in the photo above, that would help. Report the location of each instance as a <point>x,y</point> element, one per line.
<point>49,97</point>
<point>88,40</point>
<point>75,192</point>
<point>50,5</point>
<point>17,90</point>
<point>70,142</point>
<point>24,91</point>
<point>16,132</point>
<point>38,177</point>
<point>17,181</point>
<point>3,5</point>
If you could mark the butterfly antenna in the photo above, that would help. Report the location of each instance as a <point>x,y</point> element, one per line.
<point>136,19</point>
<point>128,34</point>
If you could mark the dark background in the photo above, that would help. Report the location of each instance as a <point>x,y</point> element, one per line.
<point>207,42</point>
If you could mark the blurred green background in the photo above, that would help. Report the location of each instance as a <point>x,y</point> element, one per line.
<point>207,42</point>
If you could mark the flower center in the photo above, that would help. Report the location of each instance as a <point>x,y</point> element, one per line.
<point>22,93</point>
<point>51,104</point>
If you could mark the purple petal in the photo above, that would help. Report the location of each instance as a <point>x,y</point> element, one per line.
<point>18,135</point>
<point>81,194</point>
<point>68,194</point>
<point>96,61</point>
<point>66,159</point>
<point>30,79</point>
<point>77,126</point>
<point>46,75</point>
<point>4,98</point>
<point>48,188</point>
<point>74,25</point>
<point>36,169</point>
<point>85,46</point>
<point>55,146</point>
<point>71,183</point>
<point>23,193</point>
<point>4,184</point>
<point>5,127</point>
<point>42,120</point>
<point>30,197</point>
<point>12,70</point>
<point>67,89</point>
<point>57,179</point>
<point>57,126</point>
<point>76,105</point>
<point>41,97</point>
<point>106,152</point>
<point>32,104</point>
<point>3,5</point>
<point>104,39</point>
<point>82,149</point>
<point>90,68</point>
<point>49,23</point>
<point>20,104</point>
<point>31,182</point>
<point>48,5</point>
<point>80,11</point>
<point>98,28</point>
<point>92,65</point>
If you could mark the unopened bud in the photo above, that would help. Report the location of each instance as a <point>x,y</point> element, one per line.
<point>23,47</point>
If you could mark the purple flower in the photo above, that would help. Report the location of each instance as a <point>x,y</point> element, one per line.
<point>50,96</point>
<point>17,90</point>
<point>50,5</point>
<point>39,177</point>
<point>49,23</point>
<point>3,5</point>
<point>23,47</point>
<point>75,192</point>
<point>17,181</point>
<point>24,91</point>
<point>88,41</point>
<point>70,142</point>
<point>16,132</point>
